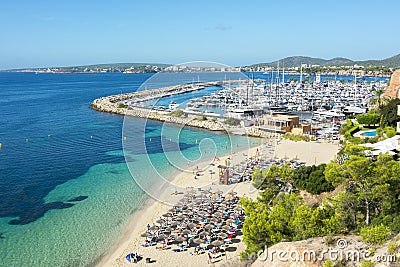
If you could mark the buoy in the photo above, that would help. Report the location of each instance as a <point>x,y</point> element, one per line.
<point>48,135</point>
<point>91,137</point>
<point>1,145</point>
<point>27,140</point>
<point>170,139</point>
<point>124,138</point>
<point>197,141</point>
<point>150,139</point>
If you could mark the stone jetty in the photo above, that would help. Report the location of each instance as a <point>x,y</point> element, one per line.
<point>128,105</point>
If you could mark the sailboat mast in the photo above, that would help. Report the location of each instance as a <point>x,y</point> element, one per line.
<point>301,72</point>
<point>277,85</point>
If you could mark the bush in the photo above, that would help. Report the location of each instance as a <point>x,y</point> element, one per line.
<point>389,131</point>
<point>375,235</point>
<point>120,105</point>
<point>328,263</point>
<point>296,137</point>
<point>367,263</point>
<point>232,122</point>
<point>202,118</point>
<point>177,113</point>
<point>345,127</point>
<point>368,119</point>
<point>312,179</point>
<point>393,248</point>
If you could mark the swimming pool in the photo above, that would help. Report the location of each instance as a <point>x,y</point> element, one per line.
<point>369,133</point>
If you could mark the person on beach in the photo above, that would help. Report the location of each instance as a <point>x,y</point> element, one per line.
<point>148,227</point>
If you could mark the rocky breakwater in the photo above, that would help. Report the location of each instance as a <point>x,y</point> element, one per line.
<point>126,104</point>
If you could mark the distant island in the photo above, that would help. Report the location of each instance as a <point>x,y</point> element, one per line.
<point>294,64</point>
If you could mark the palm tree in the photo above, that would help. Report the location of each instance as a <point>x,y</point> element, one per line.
<point>377,98</point>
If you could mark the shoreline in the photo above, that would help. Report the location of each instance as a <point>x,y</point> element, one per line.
<point>151,210</point>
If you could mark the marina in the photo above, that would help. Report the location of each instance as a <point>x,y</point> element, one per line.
<point>320,102</point>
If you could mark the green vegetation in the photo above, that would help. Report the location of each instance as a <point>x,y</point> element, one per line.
<point>381,66</point>
<point>232,122</point>
<point>177,113</point>
<point>389,113</point>
<point>368,119</point>
<point>393,248</point>
<point>120,105</point>
<point>202,118</point>
<point>312,179</point>
<point>388,131</point>
<point>297,137</point>
<point>367,263</point>
<point>328,263</point>
<point>375,235</point>
<point>368,203</point>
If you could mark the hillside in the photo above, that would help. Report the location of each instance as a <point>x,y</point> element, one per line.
<point>296,61</point>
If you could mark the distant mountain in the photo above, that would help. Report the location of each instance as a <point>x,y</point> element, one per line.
<point>296,61</point>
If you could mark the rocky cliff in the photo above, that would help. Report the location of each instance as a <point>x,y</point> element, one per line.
<point>393,90</point>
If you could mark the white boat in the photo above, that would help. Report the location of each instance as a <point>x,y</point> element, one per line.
<point>173,106</point>
<point>354,110</point>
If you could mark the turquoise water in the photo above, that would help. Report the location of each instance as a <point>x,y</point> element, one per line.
<point>66,197</point>
<point>369,133</point>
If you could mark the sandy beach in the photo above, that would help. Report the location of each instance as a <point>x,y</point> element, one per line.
<point>309,152</point>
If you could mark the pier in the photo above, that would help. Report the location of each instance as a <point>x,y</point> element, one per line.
<point>130,104</point>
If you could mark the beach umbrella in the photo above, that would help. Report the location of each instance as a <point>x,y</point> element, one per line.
<point>174,223</point>
<point>191,225</point>
<point>202,234</point>
<point>233,193</point>
<point>145,234</point>
<point>222,235</point>
<point>226,227</point>
<point>229,221</point>
<point>180,239</point>
<point>162,237</point>
<point>168,229</point>
<point>154,227</point>
<point>160,221</point>
<point>198,241</point>
<point>167,215</point>
<point>209,226</point>
<point>214,220</point>
<point>217,243</point>
<point>186,232</point>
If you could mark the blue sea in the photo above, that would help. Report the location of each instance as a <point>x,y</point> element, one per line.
<point>67,186</point>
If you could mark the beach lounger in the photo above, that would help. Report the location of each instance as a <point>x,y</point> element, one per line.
<point>216,255</point>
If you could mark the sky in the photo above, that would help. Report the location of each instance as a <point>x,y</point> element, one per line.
<point>70,32</point>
